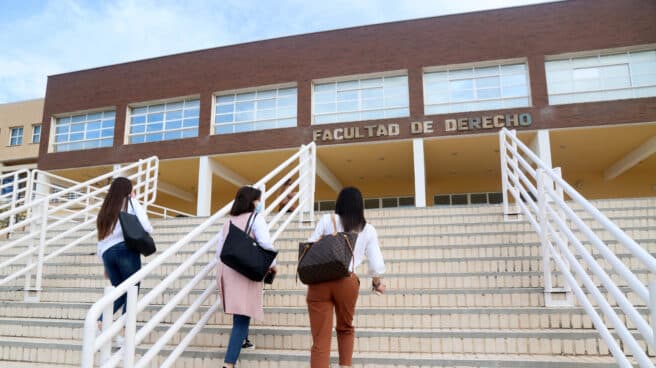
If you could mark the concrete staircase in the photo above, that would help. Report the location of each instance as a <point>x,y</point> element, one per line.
<point>464,291</point>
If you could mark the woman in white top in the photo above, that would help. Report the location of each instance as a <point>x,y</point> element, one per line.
<point>120,261</point>
<point>342,295</point>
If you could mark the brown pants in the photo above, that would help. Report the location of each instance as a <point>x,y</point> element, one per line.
<point>340,295</point>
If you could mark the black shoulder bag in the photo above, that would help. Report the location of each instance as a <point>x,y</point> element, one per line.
<point>136,238</point>
<point>243,254</point>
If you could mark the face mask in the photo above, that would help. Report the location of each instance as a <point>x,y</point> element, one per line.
<point>259,208</point>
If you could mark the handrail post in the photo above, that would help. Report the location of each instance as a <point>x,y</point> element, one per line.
<point>569,296</point>
<point>544,240</point>
<point>652,307</point>
<point>42,246</point>
<point>515,165</point>
<point>14,194</point>
<point>314,182</point>
<point>107,320</point>
<point>130,327</point>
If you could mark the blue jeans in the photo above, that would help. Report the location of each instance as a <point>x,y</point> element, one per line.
<point>120,263</point>
<point>237,335</point>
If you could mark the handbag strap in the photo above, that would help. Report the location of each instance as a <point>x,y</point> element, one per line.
<point>350,246</point>
<point>250,222</point>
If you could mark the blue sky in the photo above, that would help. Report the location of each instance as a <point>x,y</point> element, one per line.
<point>41,38</point>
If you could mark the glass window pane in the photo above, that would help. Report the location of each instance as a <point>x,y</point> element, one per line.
<point>190,104</point>
<point>188,113</point>
<point>487,82</point>
<point>189,123</point>
<point>174,124</point>
<point>486,71</point>
<point>225,99</point>
<point>139,110</point>
<point>225,109</point>
<point>223,129</point>
<point>174,106</point>
<point>173,115</point>
<point>173,135</point>
<point>189,133</point>
<point>154,137</point>
<point>227,118</point>
<point>246,96</point>
<point>156,108</point>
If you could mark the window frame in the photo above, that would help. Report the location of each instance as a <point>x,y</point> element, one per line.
<point>236,91</point>
<point>358,77</point>
<point>34,127</point>
<point>52,144</point>
<point>18,137</point>
<point>598,54</point>
<point>128,119</point>
<point>478,65</point>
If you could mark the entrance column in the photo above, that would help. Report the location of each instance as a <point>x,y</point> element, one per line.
<point>541,145</point>
<point>420,172</point>
<point>204,197</point>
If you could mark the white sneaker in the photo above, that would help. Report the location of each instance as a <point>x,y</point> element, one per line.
<point>119,341</point>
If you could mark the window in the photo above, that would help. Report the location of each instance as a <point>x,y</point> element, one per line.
<point>601,77</point>
<point>84,131</point>
<point>467,198</point>
<point>255,110</point>
<point>36,133</point>
<point>164,121</point>
<point>360,99</point>
<point>458,89</point>
<point>16,136</point>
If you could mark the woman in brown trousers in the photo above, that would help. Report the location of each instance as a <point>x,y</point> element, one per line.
<point>341,295</point>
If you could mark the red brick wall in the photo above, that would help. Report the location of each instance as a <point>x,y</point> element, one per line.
<point>524,32</point>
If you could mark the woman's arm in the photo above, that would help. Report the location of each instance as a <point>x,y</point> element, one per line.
<point>141,215</point>
<point>319,231</point>
<point>374,255</point>
<point>262,235</point>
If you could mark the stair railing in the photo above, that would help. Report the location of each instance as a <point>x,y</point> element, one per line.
<point>13,193</point>
<point>54,212</point>
<point>580,254</point>
<point>187,282</point>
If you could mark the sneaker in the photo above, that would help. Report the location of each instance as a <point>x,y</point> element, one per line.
<point>248,345</point>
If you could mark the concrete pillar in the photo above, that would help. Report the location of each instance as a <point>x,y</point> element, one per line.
<point>420,172</point>
<point>541,145</point>
<point>204,198</point>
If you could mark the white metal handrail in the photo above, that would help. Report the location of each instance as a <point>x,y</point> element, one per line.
<point>13,193</point>
<point>54,216</point>
<point>165,212</point>
<point>301,166</point>
<point>578,252</point>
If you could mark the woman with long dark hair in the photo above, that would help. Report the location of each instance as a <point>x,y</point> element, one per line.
<point>342,295</point>
<point>242,297</point>
<point>120,261</point>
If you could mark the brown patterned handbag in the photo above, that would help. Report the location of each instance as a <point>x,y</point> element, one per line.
<point>328,258</point>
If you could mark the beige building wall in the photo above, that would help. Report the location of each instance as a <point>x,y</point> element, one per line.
<point>24,114</point>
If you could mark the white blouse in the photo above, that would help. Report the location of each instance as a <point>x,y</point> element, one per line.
<point>366,244</point>
<point>260,231</point>
<point>116,236</point>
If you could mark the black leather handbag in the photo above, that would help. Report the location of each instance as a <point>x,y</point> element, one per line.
<point>328,258</point>
<point>136,238</point>
<point>243,254</point>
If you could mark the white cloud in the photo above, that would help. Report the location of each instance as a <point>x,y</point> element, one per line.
<point>67,35</point>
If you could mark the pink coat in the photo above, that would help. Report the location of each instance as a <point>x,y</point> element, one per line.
<point>239,294</point>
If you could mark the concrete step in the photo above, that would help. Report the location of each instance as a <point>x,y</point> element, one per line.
<point>485,297</point>
<point>405,318</point>
<point>385,340</point>
<point>67,352</point>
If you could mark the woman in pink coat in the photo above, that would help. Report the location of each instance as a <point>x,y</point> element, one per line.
<point>241,296</point>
